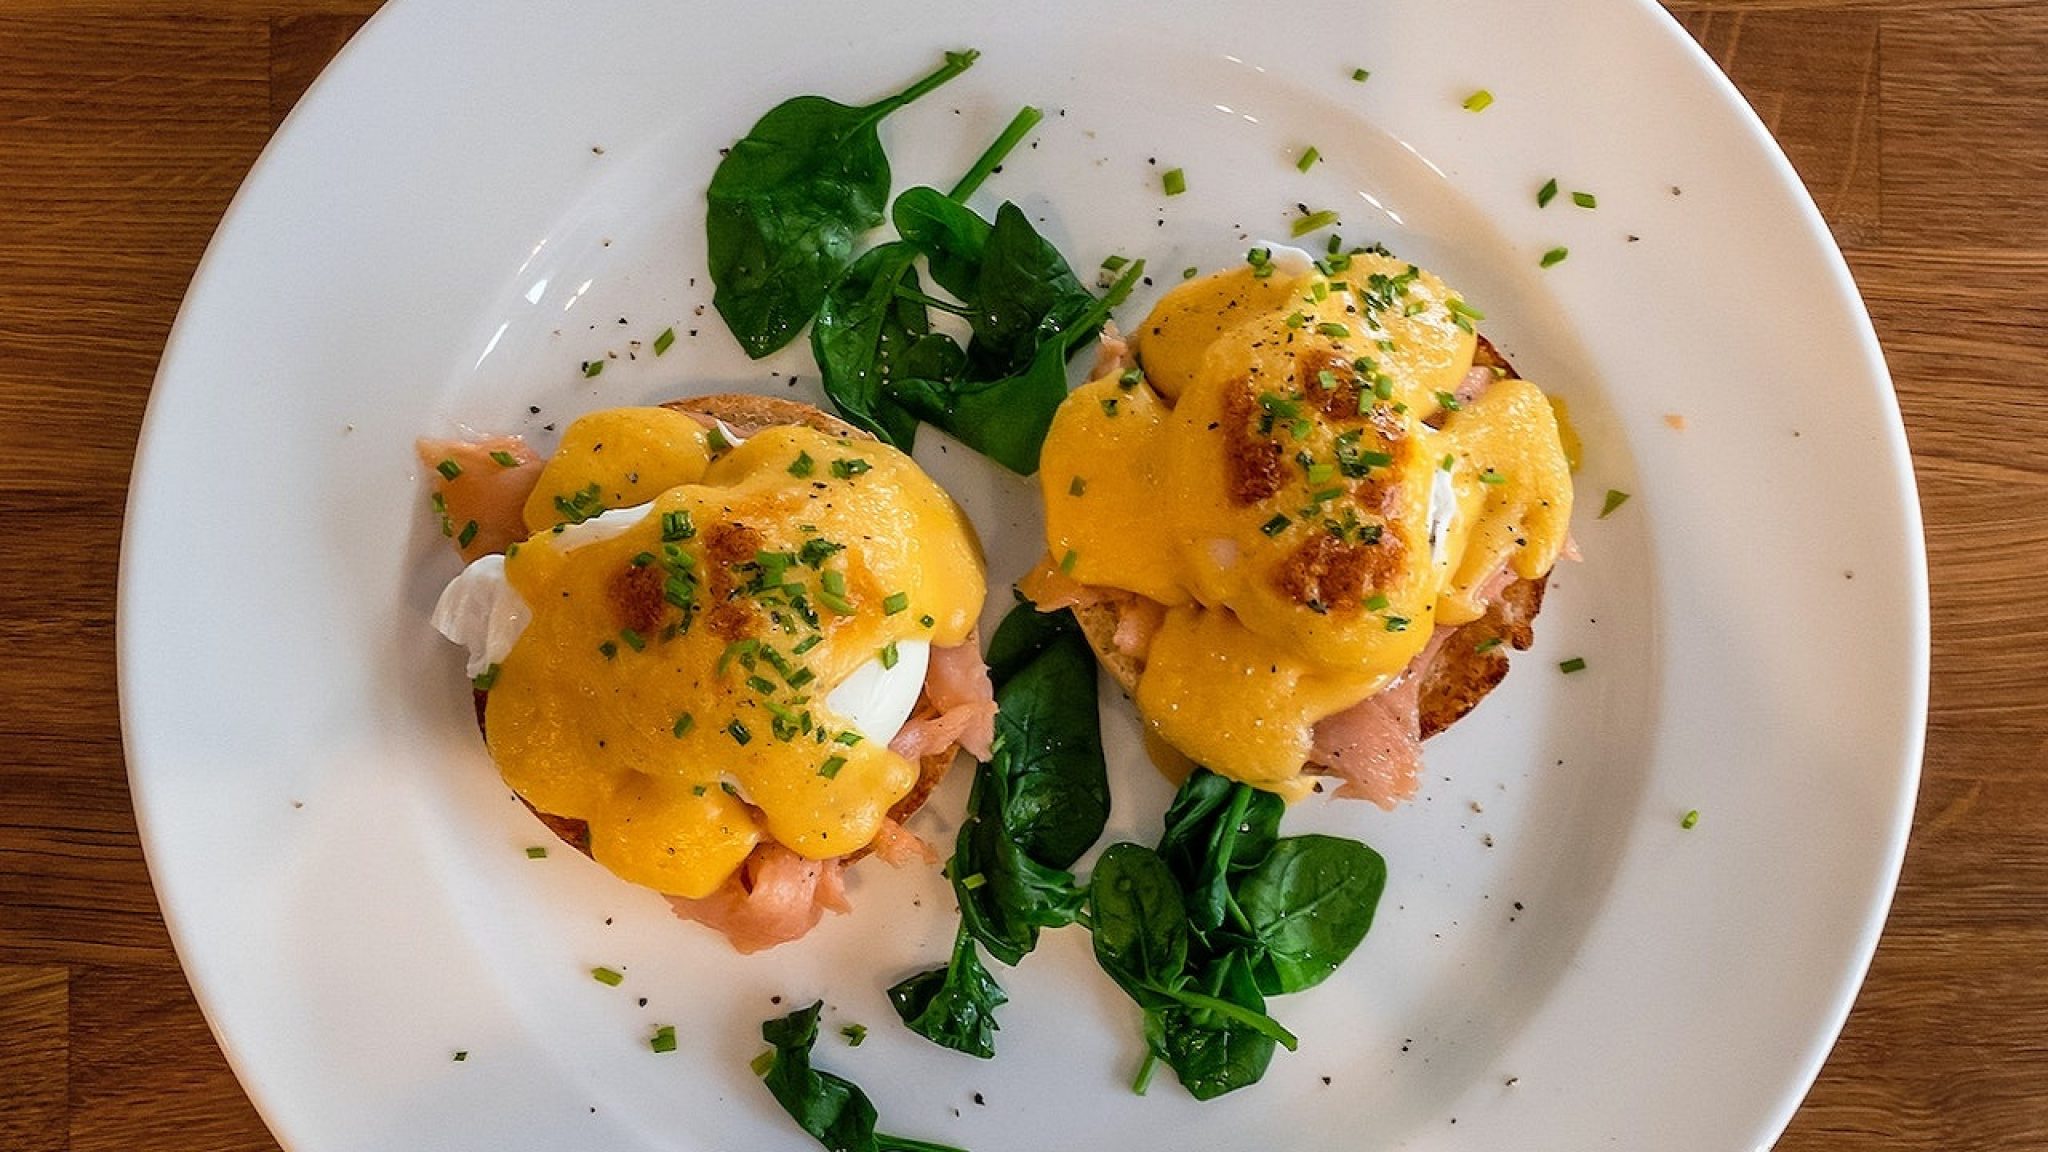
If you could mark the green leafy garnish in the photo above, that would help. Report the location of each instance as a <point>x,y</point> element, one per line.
<point>954,1005</point>
<point>788,201</point>
<point>835,1112</point>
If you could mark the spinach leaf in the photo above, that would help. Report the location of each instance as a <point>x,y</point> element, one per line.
<point>1217,829</point>
<point>953,1006</point>
<point>866,332</point>
<point>1024,294</point>
<point>831,1108</point>
<point>1212,1053</point>
<point>1048,722</point>
<point>787,202</point>
<point>873,325</point>
<point>951,236</point>
<point>1139,925</point>
<point>1024,633</point>
<point>1005,895</point>
<point>1006,419</point>
<point>1310,903</point>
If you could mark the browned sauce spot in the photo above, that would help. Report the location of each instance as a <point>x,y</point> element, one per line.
<point>731,543</point>
<point>636,598</point>
<point>1327,573</point>
<point>1254,461</point>
<point>1387,423</point>
<point>1339,399</point>
<point>732,620</point>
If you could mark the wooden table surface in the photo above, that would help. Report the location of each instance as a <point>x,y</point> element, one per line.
<point>1921,127</point>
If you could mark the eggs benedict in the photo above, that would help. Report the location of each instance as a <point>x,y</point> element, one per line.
<point>1301,514</point>
<point>727,647</point>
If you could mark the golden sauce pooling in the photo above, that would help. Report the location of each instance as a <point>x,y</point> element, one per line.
<point>1293,475</point>
<point>670,689</point>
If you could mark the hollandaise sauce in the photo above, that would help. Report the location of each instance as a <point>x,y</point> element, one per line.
<point>670,688</point>
<point>1292,472</point>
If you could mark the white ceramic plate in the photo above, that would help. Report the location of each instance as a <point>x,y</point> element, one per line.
<point>478,197</point>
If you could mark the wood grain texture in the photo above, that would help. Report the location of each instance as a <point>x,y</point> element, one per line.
<point>1921,126</point>
<point>35,1026</point>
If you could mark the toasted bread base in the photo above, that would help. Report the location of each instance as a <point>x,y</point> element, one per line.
<point>1454,685</point>
<point>745,415</point>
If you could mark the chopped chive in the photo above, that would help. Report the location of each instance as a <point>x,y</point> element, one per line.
<point>1319,291</point>
<point>849,468</point>
<point>1585,200</point>
<point>683,725</point>
<point>1190,273</point>
<point>1449,462</point>
<point>1448,402</point>
<point>1554,257</point>
<point>592,368</point>
<point>1376,604</point>
<point>806,644</point>
<point>1259,257</point>
<point>1308,159</point>
<point>1068,561</point>
<point>1334,330</point>
<point>888,655</point>
<point>1615,499</point>
<point>833,581</point>
<point>1487,645</point>
<point>1296,319</point>
<point>717,438</point>
<point>927,620</point>
<point>895,602</point>
<point>1575,664</point>
<point>738,732</point>
<point>1325,495</point>
<point>1076,486</point>
<point>803,465</point>
<point>1491,477</point>
<point>504,459</point>
<point>1113,263</point>
<point>1300,429</point>
<point>1479,101</point>
<point>855,1034</point>
<point>764,1063</point>
<point>1691,819</point>
<point>449,469</point>
<point>1397,623</point>
<point>633,639</point>
<point>1131,378</point>
<point>607,977</point>
<point>973,882</point>
<point>468,534</point>
<point>1313,222</point>
<point>663,342</point>
<point>1458,307</point>
<point>848,738</point>
<point>830,768</point>
<point>537,852</point>
<point>1321,471</point>
<point>609,649</point>
<point>1360,75</point>
<point>1276,525</point>
<point>676,526</point>
<point>664,1039</point>
<point>1546,194</point>
<point>761,684</point>
<point>1174,182</point>
<point>483,680</point>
